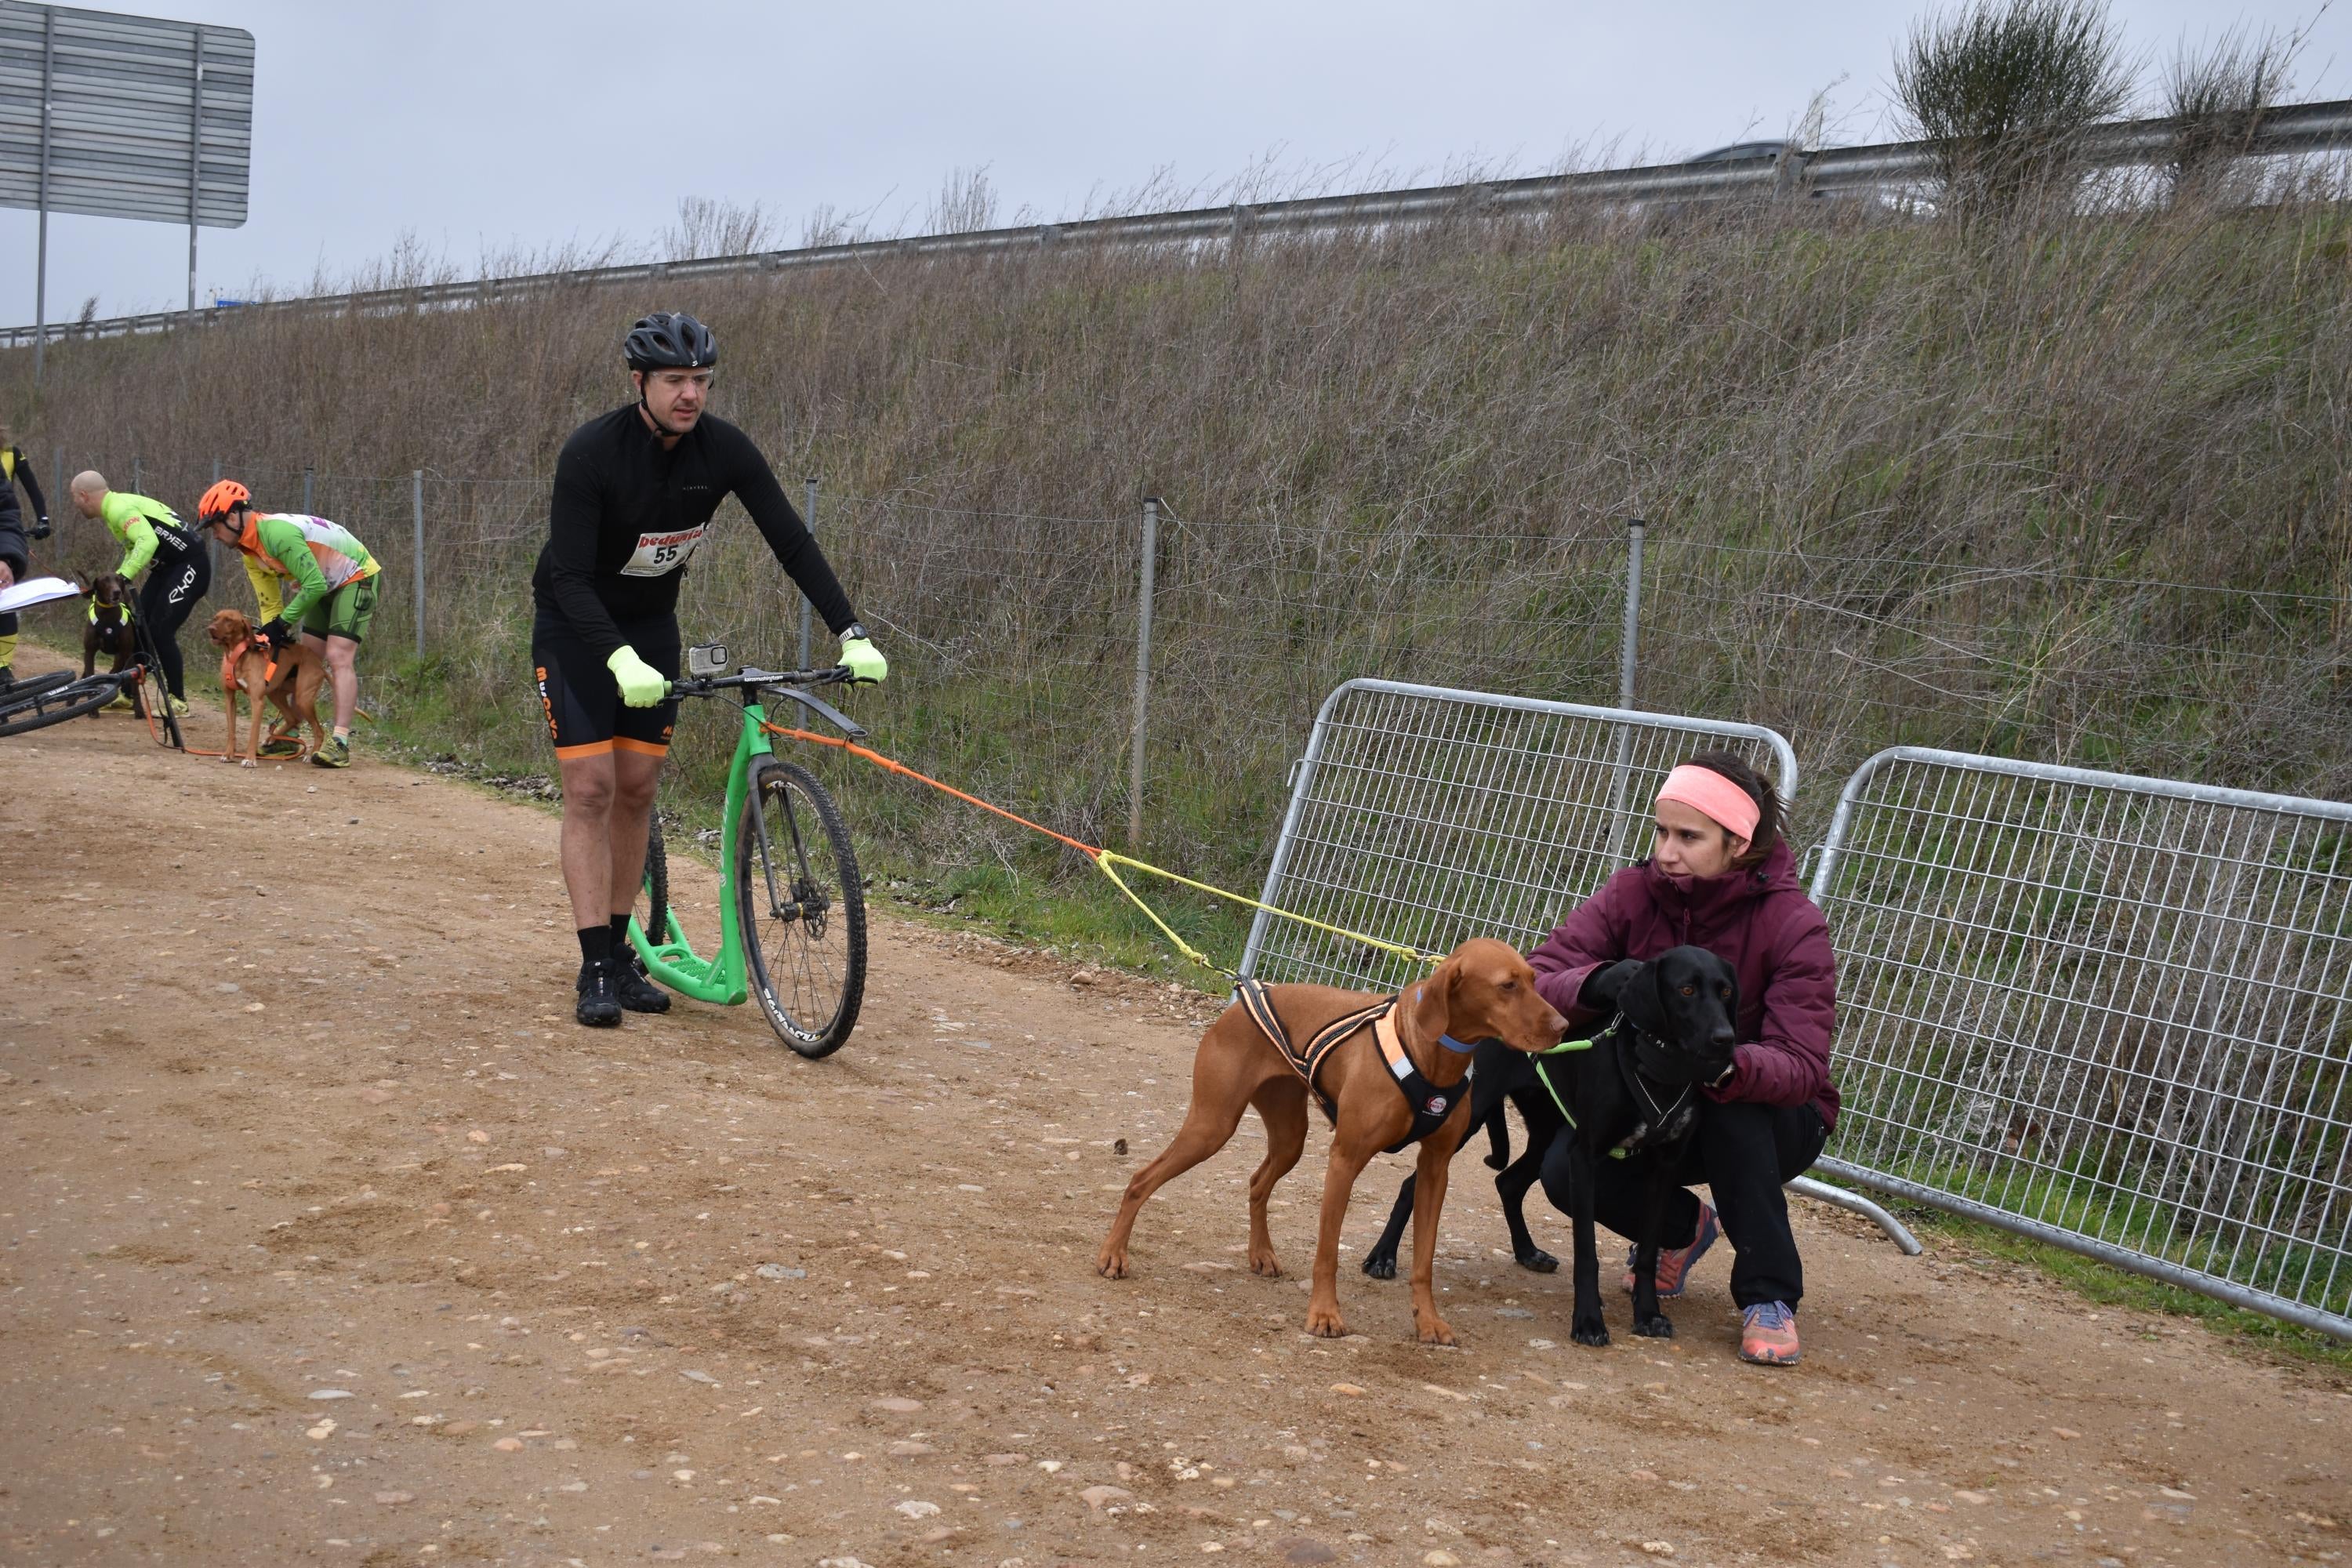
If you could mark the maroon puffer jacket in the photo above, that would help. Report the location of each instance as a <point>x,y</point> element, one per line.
<point>1761,923</point>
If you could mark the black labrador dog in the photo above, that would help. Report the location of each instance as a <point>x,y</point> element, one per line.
<point>1633,1091</point>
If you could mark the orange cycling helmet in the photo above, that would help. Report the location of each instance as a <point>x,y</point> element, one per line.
<point>225,497</point>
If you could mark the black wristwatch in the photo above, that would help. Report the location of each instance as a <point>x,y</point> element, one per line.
<point>855,631</point>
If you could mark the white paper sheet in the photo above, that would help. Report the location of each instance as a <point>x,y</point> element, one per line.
<point>34,591</point>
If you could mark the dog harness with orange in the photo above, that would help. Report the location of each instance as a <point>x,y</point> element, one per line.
<point>228,663</point>
<point>1430,1105</point>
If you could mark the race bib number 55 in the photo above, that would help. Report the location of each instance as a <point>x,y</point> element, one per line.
<point>658,554</point>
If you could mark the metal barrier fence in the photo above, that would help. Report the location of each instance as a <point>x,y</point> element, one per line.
<point>2110,1013</point>
<point>1426,816</point>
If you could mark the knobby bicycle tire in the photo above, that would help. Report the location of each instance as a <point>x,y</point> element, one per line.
<point>34,685</point>
<point>807,972</point>
<point>20,715</point>
<point>154,694</point>
<point>653,902</point>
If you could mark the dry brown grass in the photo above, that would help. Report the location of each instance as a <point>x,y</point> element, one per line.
<point>2072,491</point>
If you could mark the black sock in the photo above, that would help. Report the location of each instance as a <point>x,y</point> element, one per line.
<point>596,945</point>
<point>622,952</point>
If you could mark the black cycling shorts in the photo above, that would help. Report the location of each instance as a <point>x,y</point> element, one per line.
<point>585,716</point>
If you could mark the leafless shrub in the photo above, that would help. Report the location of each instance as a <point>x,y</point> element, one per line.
<point>966,203</point>
<point>709,227</point>
<point>2218,95</point>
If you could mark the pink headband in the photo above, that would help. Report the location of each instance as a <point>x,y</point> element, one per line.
<point>1715,797</point>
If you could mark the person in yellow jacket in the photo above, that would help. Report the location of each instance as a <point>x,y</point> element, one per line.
<point>15,470</point>
<point>152,532</point>
<point>334,580</point>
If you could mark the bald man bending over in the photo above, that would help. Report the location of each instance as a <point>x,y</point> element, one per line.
<point>150,532</point>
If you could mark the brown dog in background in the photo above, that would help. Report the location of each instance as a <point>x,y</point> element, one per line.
<point>1483,990</point>
<point>292,688</point>
<point>108,629</point>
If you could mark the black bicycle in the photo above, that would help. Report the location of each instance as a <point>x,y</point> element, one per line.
<point>40,700</point>
<point>792,918</point>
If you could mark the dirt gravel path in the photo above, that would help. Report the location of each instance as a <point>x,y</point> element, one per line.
<point>330,1238</point>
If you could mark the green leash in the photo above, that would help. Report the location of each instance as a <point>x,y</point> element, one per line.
<point>1544,1078</point>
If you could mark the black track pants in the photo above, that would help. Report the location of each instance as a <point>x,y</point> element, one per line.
<point>174,583</point>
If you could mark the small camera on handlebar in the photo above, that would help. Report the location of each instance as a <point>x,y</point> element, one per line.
<point>706,659</point>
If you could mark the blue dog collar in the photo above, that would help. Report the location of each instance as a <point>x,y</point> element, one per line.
<point>1456,1046</point>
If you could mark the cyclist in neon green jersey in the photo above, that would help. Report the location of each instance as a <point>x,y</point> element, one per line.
<point>150,532</point>
<point>334,579</point>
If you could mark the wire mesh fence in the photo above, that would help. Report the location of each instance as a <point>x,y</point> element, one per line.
<point>1427,817</point>
<point>2112,1012</point>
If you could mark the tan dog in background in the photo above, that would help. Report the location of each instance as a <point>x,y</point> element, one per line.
<point>1484,990</point>
<point>247,666</point>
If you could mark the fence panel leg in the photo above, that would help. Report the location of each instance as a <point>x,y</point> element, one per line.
<point>417,509</point>
<point>1142,671</point>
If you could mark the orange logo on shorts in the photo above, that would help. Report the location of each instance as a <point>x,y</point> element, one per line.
<point>545,706</point>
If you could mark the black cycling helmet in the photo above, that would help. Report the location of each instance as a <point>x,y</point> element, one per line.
<point>669,340</point>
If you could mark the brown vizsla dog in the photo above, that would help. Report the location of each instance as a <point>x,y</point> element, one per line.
<point>1484,990</point>
<point>289,679</point>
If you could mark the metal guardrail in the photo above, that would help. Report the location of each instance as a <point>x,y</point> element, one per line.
<point>2292,129</point>
<point>2110,1013</point>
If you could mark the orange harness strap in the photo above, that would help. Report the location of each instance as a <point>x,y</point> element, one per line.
<point>228,666</point>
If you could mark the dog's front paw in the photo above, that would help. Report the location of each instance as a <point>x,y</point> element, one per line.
<point>1264,1263</point>
<point>1536,1260</point>
<point>1656,1326</point>
<point>1381,1265</point>
<point>1324,1322</point>
<point>1589,1331</point>
<point>1111,1263</point>
<point>1434,1330</point>
<point>246,762</point>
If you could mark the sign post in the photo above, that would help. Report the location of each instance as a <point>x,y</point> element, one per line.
<point>136,117</point>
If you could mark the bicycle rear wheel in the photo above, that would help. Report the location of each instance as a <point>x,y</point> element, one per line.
<point>20,714</point>
<point>800,907</point>
<point>153,695</point>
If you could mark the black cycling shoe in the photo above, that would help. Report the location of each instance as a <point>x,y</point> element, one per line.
<point>600,999</point>
<point>637,991</point>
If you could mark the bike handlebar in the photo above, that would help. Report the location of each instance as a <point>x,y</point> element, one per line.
<point>711,684</point>
<point>787,683</point>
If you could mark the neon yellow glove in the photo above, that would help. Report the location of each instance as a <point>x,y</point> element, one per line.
<point>641,686</point>
<point>864,661</point>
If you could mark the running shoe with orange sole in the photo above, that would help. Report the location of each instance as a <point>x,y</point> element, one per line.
<point>1768,1334</point>
<point>1674,1262</point>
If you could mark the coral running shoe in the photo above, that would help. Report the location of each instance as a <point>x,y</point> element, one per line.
<point>1674,1262</point>
<point>1768,1334</point>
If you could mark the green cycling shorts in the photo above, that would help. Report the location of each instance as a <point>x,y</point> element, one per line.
<point>345,612</point>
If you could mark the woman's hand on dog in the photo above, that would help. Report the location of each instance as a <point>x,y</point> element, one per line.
<point>1605,984</point>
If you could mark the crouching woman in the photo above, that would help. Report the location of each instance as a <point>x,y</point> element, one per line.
<point>1719,877</point>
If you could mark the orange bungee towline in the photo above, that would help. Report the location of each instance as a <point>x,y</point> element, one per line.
<point>1108,861</point>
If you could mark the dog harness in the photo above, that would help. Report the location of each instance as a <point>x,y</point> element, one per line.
<point>1666,1124</point>
<point>1430,1105</point>
<point>228,663</point>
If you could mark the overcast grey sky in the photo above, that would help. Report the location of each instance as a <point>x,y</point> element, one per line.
<point>484,126</point>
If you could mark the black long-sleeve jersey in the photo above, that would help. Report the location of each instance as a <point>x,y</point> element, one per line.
<point>628,513</point>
